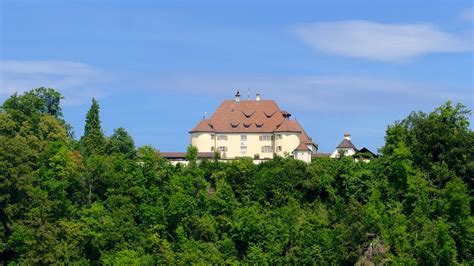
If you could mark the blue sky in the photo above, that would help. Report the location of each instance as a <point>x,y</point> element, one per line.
<point>157,66</point>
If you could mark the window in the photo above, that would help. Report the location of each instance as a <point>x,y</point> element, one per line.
<point>266,137</point>
<point>221,137</point>
<point>213,136</point>
<point>266,149</point>
<point>222,148</point>
<point>243,137</point>
<point>278,136</point>
<point>243,149</point>
<point>279,148</point>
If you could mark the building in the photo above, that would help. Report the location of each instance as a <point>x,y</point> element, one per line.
<point>345,148</point>
<point>180,157</point>
<point>254,128</point>
<point>364,155</point>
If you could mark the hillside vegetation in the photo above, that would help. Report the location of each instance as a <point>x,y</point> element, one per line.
<point>101,200</point>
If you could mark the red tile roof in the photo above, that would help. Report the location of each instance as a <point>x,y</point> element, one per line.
<point>250,116</point>
<point>203,126</point>
<point>302,147</point>
<point>288,125</point>
<point>246,116</point>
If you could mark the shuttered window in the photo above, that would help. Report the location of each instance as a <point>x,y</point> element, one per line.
<point>221,137</point>
<point>222,148</point>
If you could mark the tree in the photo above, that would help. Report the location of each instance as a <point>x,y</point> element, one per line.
<point>121,205</point>
<point>93,140</point>
<point>35,102</point>
<point>121,143</point>
<point>192,155</point>
<point>440,137</point>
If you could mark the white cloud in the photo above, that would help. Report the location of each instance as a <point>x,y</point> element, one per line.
<point>332,93</point>
<point>377,41</point>
<point>78,82</point>
<point>344,94</point>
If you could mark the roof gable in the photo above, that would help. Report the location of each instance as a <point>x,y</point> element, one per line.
<point>346,144</point>
<point>203,126</point>
<point>244,116</point>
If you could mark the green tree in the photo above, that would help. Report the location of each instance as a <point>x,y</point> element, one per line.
<point>192,155</point>
<point>121,205</point>
<point>34,103</point>
<point>442,136</point>
<point>93,139</point>
<point>121,142</point>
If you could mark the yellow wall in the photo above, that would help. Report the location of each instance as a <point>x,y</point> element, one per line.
<point>204,142</point>
<point>253,144</point>
<point>288,142</point>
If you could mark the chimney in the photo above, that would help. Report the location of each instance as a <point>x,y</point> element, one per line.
<point>257,97</point>
<point>347,136</point>
<point>237,97</point>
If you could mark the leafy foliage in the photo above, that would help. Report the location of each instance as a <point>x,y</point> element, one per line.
<point>103,201</point>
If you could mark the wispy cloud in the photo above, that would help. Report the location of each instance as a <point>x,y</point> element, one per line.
<point>377,41</point>
<point>335,93</point>
<point>331,93</point>
<point>78,82</point>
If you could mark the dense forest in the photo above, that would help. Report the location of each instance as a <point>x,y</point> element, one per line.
<point>100,200</point>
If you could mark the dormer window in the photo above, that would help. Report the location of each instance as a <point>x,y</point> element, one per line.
<point>248,114</point>
<point>285,114</point>
<point>269,115</point>
<point>234,124</point>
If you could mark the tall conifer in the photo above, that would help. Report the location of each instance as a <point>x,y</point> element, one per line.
<point>93,140</point>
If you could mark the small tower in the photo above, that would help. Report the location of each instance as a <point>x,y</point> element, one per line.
<point>257,97</point>
<point>237,97</point>
<point>347,136</point>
